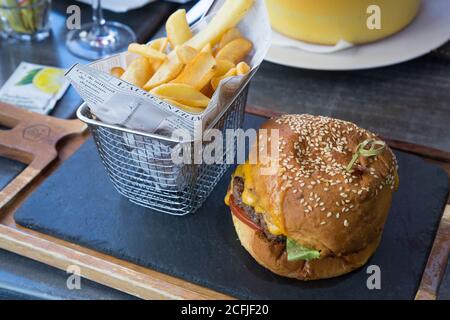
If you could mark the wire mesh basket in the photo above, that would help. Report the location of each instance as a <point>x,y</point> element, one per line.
<point>141,168</point>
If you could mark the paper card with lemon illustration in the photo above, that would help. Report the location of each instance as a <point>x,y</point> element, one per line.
<point>34,87</point>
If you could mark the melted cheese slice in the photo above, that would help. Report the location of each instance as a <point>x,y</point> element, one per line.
<point>268,206</point>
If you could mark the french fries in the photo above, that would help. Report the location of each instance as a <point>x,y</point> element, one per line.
<point>181,93</point>
<point>235,51</point>
<point>207,48</point>
<point>159,44</point>
<point>229,36</point>
<point>168,71</point>
<point>223,66</point>
<point>177,28</point>
<point>186,53</point>
<point>216,80</point>
<point>146,51</point>
<point>117,72</point>
<point>226,18</point>
<point>242,68</point>
<point>184,107</point>
<point>138,72</point>
<point>199,71</point>
<point>187,73</point>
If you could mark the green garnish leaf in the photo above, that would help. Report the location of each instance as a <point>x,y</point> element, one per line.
<point>28,78</point>
<point>296,251</point>
<point>375,148</point>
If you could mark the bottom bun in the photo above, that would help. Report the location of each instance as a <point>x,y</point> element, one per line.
<point>273,256</point>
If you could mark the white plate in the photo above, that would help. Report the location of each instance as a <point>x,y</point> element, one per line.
<point>428,31</point>
<point>121,6</point>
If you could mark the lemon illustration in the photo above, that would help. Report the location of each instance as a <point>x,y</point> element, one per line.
<point>49,80</point>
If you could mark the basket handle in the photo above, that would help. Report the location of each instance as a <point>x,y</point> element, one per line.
<point>32,140</point>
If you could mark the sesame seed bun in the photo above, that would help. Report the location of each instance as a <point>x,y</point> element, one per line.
<point>273,257</point>
<point>314,200</point>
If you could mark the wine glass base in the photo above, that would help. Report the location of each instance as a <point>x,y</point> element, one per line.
<point>92,44</point>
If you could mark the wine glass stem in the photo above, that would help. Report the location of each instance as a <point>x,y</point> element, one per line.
<point>99,28</point>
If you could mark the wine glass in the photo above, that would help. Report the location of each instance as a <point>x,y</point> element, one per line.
<point>99,38</point>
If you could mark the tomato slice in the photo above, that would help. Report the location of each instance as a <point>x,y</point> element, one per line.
<point>240,214</point>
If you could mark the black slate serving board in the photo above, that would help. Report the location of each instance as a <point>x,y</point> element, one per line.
<point>78,203</point>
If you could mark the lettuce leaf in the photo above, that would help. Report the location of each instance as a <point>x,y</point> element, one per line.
<point>296,251</point>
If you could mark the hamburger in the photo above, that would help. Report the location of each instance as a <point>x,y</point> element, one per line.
<point>321,212</point>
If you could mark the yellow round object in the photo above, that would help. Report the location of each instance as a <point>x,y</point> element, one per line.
<point>328,21</point>
<point>49,80</point>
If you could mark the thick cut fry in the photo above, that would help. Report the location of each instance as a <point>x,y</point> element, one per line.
<point>228,16</point>
<point>159,44</point>
<point>181,93</point>
<point>229,36</point>
<point>185,107</point>
<point>242,68</point>
<point>207,48</point>
<point>168,71</point>
<point>216,81</point>
<point>138,72</point>
<point>177,28</point>
<point>186,53</point>
<point>222,67</point>
<point>155,63</point>
<point>199,72</point>
<point>235,51</point>
<point>146,51</point>
<point>117,72</point>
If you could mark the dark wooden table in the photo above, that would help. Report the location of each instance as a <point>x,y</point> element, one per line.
<point>409,102</point>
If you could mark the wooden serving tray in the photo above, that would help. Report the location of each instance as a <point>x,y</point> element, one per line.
<point>150,284</point>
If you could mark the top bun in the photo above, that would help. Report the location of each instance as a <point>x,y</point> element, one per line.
<point>311,197</point>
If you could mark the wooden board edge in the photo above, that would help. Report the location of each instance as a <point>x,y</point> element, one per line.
<point>126,277</point>
<point>437,261</point>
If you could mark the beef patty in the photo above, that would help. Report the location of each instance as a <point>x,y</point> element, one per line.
<point>257,218</point>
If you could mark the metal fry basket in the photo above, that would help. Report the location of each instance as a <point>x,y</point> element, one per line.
<point>140,164</point>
